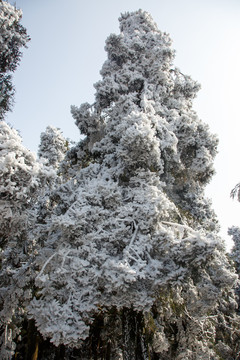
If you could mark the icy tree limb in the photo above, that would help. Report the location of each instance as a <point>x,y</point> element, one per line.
<point>46,263</point>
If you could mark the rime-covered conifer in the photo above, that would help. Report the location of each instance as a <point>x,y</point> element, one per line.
<point>234,232</point>
<point>131,265</point>
<point>13,37</point>
<point>22,180</point>
<point>53,146</point>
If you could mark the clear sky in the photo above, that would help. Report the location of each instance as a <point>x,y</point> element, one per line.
<point>66,53</point>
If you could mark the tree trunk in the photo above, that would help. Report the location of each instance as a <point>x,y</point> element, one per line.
<point>134,347</point>
<point>114,335</point>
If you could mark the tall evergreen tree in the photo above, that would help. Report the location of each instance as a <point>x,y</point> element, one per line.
<point>131,265</point>
<point>22,179</point>
<point>234,232</point>
<point>13,37</point>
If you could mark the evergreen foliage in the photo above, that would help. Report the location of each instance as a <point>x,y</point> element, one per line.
<point>53,146</point>
<point>22,180</point>
<point>234,232</point>
<point>13,37</point>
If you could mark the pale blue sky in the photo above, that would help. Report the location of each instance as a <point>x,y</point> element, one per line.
<point>66,53</point>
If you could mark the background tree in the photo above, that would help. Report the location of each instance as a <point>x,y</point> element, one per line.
<point>131,265</point>
<point>25,186</point>
<point>13,38</point>
<point>21,180</point>
<point>53,146</point>
<point>234,232</point>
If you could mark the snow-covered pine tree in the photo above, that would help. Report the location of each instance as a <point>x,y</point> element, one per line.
<point>234,232</point>
<point>13,38</point>
<point>25,184</point>
<point>53,146</point>
<point>131,265</point>
<point>22,178</point>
